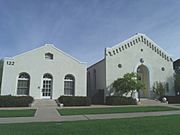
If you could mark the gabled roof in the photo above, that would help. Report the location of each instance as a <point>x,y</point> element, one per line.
<point>139,37</point>
<point>95,63</point>
<point>48,45</point>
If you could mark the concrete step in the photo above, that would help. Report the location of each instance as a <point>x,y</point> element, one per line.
<point>40,103</point>
<point>146,101</point>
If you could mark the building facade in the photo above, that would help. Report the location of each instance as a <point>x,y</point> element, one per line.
<point>176,66</point>
<point>137,54</point>
<point>45,72</point>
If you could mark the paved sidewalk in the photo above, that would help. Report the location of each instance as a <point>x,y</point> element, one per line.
<point>50,114</point>
<point>47,114</point>
<point>116,115</point>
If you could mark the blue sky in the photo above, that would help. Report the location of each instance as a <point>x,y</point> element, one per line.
<point>83,28</point>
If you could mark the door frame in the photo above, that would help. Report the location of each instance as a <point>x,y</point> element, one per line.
<point>47,97</point>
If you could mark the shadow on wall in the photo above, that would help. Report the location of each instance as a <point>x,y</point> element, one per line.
<point>170,88</point>
<point>98,97</point>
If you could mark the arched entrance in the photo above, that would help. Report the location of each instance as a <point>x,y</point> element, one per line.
<point>143,74</point>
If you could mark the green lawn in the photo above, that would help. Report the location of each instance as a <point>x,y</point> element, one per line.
<point>17,113</point>
<point>162,125</point>
<point>83,111</point>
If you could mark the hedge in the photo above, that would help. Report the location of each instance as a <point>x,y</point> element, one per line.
<point>74,101</point>
<point>173,99</point>
<point>118,100</point>
<point>15,101</point>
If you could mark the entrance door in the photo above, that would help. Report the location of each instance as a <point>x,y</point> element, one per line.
<point>47,86</point>
<point>143,73</point>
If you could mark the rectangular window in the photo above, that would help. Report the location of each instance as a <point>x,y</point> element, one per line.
<point>23,87</point>
<point>49,56</point>
<point>68,88</point>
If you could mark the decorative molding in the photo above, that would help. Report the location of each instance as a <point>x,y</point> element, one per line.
<point>123,46</point>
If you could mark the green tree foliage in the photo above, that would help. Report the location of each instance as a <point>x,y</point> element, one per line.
<point>129,83</point>
<point>159,89</point>
<point>177,82</point>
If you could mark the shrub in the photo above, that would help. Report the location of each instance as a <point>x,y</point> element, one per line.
<point>119,100</point>
<point>15,101</point>
<point>159,89</point>
<point>129,83</point>
<point>74,101</point>
<point>173,99</point>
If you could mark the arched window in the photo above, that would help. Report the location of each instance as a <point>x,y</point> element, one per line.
<point>47,76</point>
<point>69,85</point>
<point>48,56</point>
<point>23,84</point>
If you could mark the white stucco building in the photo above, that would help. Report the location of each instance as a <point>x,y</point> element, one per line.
<point>45,72</point>
<point>136,54</point>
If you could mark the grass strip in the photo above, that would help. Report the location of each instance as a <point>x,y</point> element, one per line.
<point>109,110</point>
<point>159,125</point>
<point>17,113</point>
